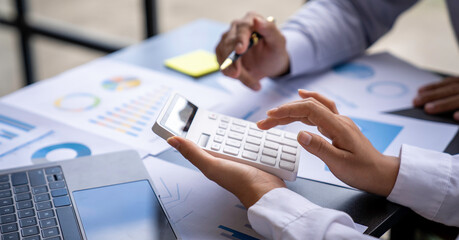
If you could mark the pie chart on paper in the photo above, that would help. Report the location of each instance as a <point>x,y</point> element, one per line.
<point>120,83</point>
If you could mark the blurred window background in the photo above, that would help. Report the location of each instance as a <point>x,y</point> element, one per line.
<point>422,36</point>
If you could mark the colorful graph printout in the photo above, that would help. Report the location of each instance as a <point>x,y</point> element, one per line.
<point>89,98</point>
<point>77,102</point>
<point>120,83</point>
<point>135,115</point>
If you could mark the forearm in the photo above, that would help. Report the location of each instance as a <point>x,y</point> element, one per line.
<point>428,183</point>
<point>325,32</point>
<point>283,214</point>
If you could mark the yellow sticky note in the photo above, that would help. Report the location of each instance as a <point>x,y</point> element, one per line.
<point>195,64</point>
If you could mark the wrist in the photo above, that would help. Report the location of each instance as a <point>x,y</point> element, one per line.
<point>254,193</point>
<point>388,172</point>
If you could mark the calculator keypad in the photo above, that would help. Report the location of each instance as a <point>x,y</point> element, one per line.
<point>241,138</point>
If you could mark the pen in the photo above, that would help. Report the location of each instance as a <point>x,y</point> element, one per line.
<point>254,38</point>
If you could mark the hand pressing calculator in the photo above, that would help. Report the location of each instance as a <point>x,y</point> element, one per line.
<point>273,151</point>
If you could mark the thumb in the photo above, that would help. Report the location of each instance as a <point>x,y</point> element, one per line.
<point>318,146</point>
<point>196,155</point>
<point>267,29</point>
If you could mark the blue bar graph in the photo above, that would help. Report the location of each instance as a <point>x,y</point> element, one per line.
<point>235,234</point>
<point>7,134</point>
<point>27,143</point>
<point>16,123</point>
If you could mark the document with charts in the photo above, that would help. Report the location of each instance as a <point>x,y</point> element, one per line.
<point>27,138</point>
<point>377,83</point>
<point>111,99</point>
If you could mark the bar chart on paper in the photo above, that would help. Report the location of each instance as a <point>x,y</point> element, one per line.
<point>10,128</point>
<point>16,134</point>
<point>136,115</point>
<point>45,140</point>
<point>113,100</point>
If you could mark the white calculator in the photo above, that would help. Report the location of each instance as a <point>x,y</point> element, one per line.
<point>273,151</point>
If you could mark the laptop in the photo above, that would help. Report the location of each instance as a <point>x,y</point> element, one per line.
<point>108,196</point>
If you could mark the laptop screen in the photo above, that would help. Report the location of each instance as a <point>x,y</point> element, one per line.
<point>123,211</point>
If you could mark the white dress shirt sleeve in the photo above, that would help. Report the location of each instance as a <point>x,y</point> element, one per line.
<point>283,214</point>
<point>428,183</point>
<point>326,32</point>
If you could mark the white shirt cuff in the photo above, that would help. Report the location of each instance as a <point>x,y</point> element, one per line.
<point>423,180</point>
<point>284,214</point>
<point>301,52</point>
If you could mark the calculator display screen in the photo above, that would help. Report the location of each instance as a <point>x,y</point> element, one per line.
<point>179,115</point>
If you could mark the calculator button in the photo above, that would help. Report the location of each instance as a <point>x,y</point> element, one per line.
<point>271,145</point>
<point>287,165</point>
<point>238,129</point>
<point>290,143</point>
<point>251,147</point>
<point>255,133</point>
<point>225,119</point>
<point>288,149</point>
<point>231,150</point>
<point>240,122</point>
<point>223,125</point>
<point>233,143</point>
<point>268,160</point>
<point>273,138</point>
<point>290,136</point>
<point>249,155</point>
<point>221,132</point>
<point>236,136</point>
<point>269,152</point>
<point>212,116</point>
<point>274,131</point>
<point>218,139</point>
<point>253,140</point>
<point>215,147</point>
<point>288,157</point>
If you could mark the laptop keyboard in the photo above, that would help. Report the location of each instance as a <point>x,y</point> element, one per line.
<point>36,205</point>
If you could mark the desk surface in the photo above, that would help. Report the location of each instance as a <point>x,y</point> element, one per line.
<point>367,209</point>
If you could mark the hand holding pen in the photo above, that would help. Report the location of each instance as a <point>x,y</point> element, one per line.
<point>256,49</point>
